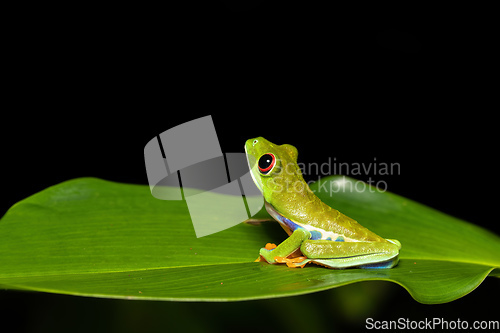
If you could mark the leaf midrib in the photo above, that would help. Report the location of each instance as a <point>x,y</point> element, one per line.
<point>217,264</point>
<point>117,271</point>
<point>486,264</point>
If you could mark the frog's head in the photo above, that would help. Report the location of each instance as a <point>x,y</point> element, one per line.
<point>271,165</point>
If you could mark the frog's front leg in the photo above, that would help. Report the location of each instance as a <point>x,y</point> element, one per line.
<point>287,247</point>
<point>352,254</point>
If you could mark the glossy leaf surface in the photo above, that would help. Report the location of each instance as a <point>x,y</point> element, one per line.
<point>97,238</point>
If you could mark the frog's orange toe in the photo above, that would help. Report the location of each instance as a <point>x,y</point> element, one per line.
<point>294,265</point>
<point>293,262</point>
<point>270,246</point>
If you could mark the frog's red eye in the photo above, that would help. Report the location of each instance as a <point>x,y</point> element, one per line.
<point>266,163</point>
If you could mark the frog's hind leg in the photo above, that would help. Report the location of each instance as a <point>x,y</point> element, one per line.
<point>371,255</point>
<point>290,245</point>
<point>335,263</point>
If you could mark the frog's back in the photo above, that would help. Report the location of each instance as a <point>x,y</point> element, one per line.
<point>334,221</point>
<point>307,211</point>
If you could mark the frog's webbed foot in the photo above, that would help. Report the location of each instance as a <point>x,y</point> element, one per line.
<point>294,259</point>
<point>289,248</point>
<point>292,262</point>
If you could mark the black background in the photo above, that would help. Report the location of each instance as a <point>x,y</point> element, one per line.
<point>409,84</point>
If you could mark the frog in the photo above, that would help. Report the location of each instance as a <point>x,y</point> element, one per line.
<point>317,233</point>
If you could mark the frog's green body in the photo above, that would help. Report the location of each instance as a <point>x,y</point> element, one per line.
<point>324,235</point>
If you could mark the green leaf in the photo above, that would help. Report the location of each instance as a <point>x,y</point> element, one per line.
<point>97,238</point>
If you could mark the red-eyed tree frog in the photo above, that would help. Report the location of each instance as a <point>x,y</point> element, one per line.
<point>317,232</point>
